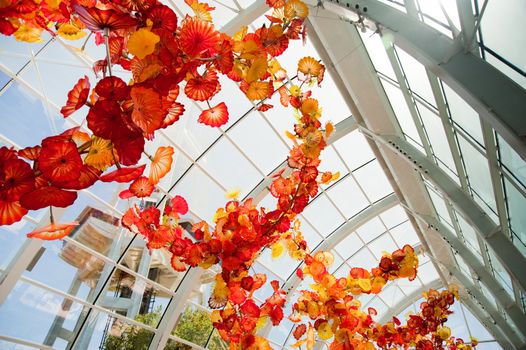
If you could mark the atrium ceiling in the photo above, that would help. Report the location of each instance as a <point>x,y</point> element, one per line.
<point>427,97</point>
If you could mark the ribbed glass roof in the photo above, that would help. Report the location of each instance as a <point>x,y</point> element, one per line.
<point>77,292</point>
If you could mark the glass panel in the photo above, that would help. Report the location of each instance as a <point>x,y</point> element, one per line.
<point>348,197</point>
<point>226,170</point>
<point>371,229</point>
<point>416,76</point>
<point>371,178</point>
<point>376,48</point>
<point>4,79</point>
<point>79,270</point>
<point>12,238</point>
<point>516,205</point>
<point>403,115</point>
<point>404,234</point>
<point>440,206</point>
<point>136,298</point>
<point>477,171</point>
<point>204,196</point>
<point>350,245</point>
<point>382,244</point>
<point>394,216</point>
<point>42,313</point>
<point>392,295</point>
<point>462,113</point>
<point>433,9</point>
<point>501,274</point>
<point>506,69</point>
<point>267,157</point>
<point>329,221</point>
<point>470,236</point>
<point>427,273</point>
<point>194,325</point>
<point>513,162</point>
<point>20,107</point>
<point>97,230</point>
<point>500,38</point>
<point>105,331</point>
<point>437,138</point>
<point>354,150</point>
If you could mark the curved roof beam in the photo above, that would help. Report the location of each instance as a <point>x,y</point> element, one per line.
<point>470,76</point>
<point>175,307</point>
<point>368,102</point>
<point>502,332</point>
<point>410,299</point>
<point>343,231</point>
<point>501,296</point>
<point>508,254</point>
<point>488,322</point>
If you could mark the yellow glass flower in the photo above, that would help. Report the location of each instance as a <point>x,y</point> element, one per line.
<point>308,65</point>
<point>142,43</point>
<point>70,31</point>
<point>444,332</point>
<point>325,331</point>
<point>295,90</point>
<point>233,193</point>
<point>277,250</point>
<point>296,8</point>
<point>28,34</point>
<point>100,154</point>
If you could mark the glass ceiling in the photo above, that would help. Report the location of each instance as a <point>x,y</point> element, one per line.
<point>104,277</point>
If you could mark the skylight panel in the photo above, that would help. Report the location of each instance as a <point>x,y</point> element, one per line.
<point>266,150</point>
<point>348,197</point>
<point>354,150</point>
<point>230,167</point>
<point>323,215</point>
<point>376,48</point>
<point>349,245</point>
<point>371,230</point>
<point>397,100</point>
<point>404,234</point>
<point>416,76</point>
<point>463,114</point>
<point>428,272</point>
<point>392,295</point>
<point>373,181</point>
<point>204,196</point>
<point>394,216</point>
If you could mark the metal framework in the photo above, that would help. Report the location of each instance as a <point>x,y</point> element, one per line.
<point>356,70</point>
<point>467,74</point>
<point>454,61</point>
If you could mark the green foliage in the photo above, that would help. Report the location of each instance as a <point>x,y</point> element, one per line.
<point>194,325</point>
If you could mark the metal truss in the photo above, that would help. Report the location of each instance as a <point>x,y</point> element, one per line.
<point>471,77</point>
<point>372,106</point>
<point>510,257</point>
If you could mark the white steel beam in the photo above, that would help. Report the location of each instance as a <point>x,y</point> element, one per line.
<point>508,254</point>
<point>245,17</point>
<point>17,266</point>
<point>500,336</point>
<point>501,296</point>
<point>373,111</point>
<point>471,77</point>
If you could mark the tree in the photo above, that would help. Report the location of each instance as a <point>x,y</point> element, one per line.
<point>194,325</point>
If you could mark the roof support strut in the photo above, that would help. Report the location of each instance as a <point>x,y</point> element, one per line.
<point>470,76</point>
